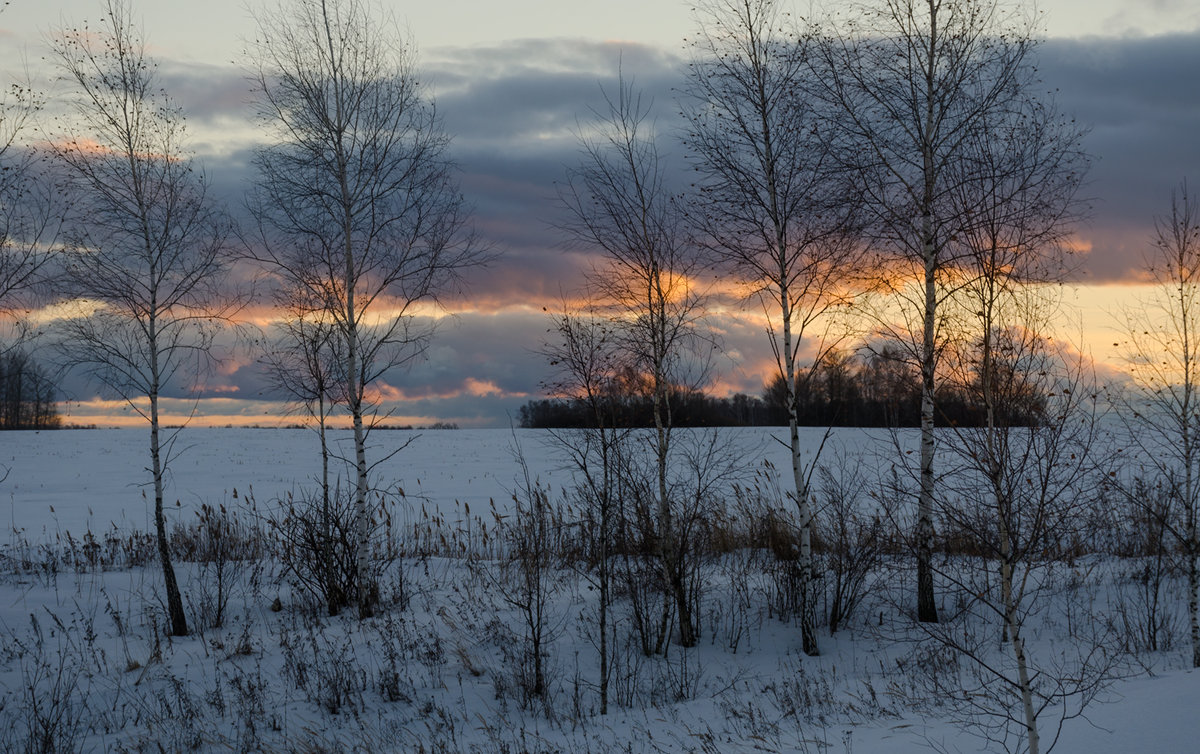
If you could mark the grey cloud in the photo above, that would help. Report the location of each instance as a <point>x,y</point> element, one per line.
<point>210,94</point>
<point>514,116</point>
<point>512,111</point>
<point>500,348</point>
<point>454,66</point>
<point>1141,98</point>
<point>528,97</point>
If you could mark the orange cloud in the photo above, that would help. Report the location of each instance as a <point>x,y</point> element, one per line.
<point>481,388</point>
<point>381,392</point>
<point>1077,244</point>
<point>85,146</point>
<point>207,412</point>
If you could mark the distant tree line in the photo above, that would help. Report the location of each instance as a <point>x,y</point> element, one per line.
<point>689,408</point>
<point>842,390</point>
<point>26,394</point>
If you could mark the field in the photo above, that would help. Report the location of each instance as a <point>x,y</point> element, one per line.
<point>445,665</point>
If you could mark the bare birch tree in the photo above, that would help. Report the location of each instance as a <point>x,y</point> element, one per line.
<point>356,198</point>
<point>1017,497</point>
<point>1163,407</point>
<point>770,202</point>
<point>908,83</point>
<point>619,202</point>
<point>1019,181</point>
<point>145,246</point>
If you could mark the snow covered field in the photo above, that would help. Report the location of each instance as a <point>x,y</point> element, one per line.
<point>96,477</point>
<point>85,665</point>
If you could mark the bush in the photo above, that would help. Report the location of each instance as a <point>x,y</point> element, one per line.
<point>222,545</point>
<point>317,545</point>
<point>851,540</point>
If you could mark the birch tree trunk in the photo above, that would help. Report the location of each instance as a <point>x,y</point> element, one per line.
<point>926,605</point>
<point>808,632</point>
<point>175,612</point>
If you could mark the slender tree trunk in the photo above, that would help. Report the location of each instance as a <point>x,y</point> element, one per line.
<point>1012,630</point>
<point>1193,585</point>
<point>365,587</point>
<point>602,575</point>
<point>321,428</point>
<point>671,545</point>
<point>1192,545</point>
<point>1018,647</point>
<point>808,634</point>
<point>1005,512</point>
<point>533,572</point>
<point>174,599</point>
<point>362,515</point>
<point>992,460</point>
<point>335,599</point>
<point>926,607</point>
<point>1012,625</point>
<point>668,540</point>
<point>602,572</point>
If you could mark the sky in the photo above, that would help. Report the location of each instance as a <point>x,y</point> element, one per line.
<point>513,81</point>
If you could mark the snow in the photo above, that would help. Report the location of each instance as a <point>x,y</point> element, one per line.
<point>1141,714</point>
<point>265,679</point>
<point>73,480</point>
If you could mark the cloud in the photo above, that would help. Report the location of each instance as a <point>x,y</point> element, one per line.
<point>513,111</point>
<point>213,97</point>
<point>1138,97</point>
<point>496,97</point>
<point>514,122</point>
